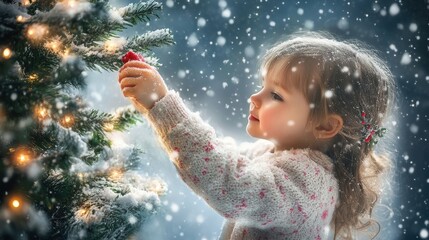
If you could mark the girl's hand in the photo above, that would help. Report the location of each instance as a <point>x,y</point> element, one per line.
<point>142,84</point>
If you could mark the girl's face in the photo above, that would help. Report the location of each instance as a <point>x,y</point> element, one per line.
<point>279,115</point>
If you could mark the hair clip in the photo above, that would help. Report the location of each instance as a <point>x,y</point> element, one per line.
<point>371,134</point>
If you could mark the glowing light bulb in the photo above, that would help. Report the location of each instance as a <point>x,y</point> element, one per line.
<point>55,45</point>
<point>26,2</point>
<point>108,127</point>
<point>65,53</point>
<point>67,121</point>
<point>41,112</point>
<point>22,156</point>
<point>37,31</point>
<point>157,187</point>
<point>33,77</point>
<point>114,44</point>
<point>20,18</point>
<point>116,174</point>
<point>7,53</point>
<point>71,3</point>
<point>15,203</point>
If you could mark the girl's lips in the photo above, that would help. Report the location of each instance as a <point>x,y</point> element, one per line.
<point>252,118</point>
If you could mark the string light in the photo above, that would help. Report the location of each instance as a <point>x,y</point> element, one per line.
<point>20,18</point>
<point>27,2</point>
<point>67,120</point>
<point>32,78</point>
<point>157,187</point>
<point>116,174</point>
<point>7,53</point>
<point>87,214</point>
<point>41,112</point>
<point>114,44</point>
<point>109,127</point>
<point>15,203</point>
<point>37,31</point>
<point>83,214</point>
<point>70,3</point>
<point>22,156</point>
<point>54,45</point>
<point>64,54</point>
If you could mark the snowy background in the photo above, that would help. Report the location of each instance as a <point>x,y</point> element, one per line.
<point>214,65</point>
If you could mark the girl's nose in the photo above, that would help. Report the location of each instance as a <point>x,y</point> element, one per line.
<point>254,101</point>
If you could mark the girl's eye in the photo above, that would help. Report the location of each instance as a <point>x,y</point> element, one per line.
<point>276,96</point>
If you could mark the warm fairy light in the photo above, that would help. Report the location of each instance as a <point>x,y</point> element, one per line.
<point>87,214</point>
<point>22,156</point>
<point>83,214</point>
<point>21,19</point>
<point>37,31</point>
<point>108,127</point>
<point>70,3</point>
<point>7,53</point>
<point>33,77</point>
<point>27,2</point>
<point>15,203</point>
<point>54,45</point>
<point>80,176</point>
<point>67,120</point>
<point>65,53</point>
<point>116,174</point>
<point>42,112</point>
<point>157,187</point>
<point>114,44</point>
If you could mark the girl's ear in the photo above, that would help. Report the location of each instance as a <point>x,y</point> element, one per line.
<point>328,128</point>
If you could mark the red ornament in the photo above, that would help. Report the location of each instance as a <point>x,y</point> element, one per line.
<point>367,139</point>
<point>130,56</point>
<point>363,114</point>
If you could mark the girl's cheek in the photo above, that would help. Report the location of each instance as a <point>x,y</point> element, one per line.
<point>268,120</point>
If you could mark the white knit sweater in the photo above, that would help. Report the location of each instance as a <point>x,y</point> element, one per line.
<point>262,194</point>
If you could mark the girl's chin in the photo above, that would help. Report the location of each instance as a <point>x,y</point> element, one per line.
<point>251,132</point>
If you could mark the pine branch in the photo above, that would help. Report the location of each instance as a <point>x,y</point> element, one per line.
<point>110,204</point>
<point>125,118</point>
<point>41,5</point>
<point>58,144</point>
<point>134,13</point>
<point>111,61</point>
<point>133,161</point>
<point>70,73</point>
<point>149,40</point>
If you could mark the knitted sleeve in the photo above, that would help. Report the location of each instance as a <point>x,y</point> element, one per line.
<point>260,193</point>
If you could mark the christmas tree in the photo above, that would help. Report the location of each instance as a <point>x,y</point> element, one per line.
<point>60,176</point>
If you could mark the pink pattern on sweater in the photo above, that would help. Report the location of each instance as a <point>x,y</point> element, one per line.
<point>256,189</point>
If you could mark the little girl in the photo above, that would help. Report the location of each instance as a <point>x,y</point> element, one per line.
<point>313,169</point>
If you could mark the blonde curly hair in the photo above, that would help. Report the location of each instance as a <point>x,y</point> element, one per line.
<point>358,80</point>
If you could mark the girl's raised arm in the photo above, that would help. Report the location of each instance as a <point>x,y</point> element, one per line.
<point>262,193</point>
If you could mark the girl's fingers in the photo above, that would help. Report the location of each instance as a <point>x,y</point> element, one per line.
<point>128,92</point>
<point>129,82</point>
<point>135,64</point>
<point>133,72</point>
